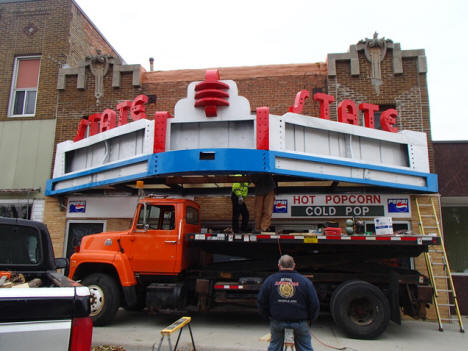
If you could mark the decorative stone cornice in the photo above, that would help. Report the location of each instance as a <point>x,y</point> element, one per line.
<point>375,50</point>
<point>397,56</point>
<point>99,67</point>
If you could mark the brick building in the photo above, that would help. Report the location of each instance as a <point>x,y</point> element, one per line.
<point>374,71</point>
<point>38,38</point>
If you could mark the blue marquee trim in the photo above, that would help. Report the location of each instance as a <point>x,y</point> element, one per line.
<point>235,161</point>
<point>49,191</point>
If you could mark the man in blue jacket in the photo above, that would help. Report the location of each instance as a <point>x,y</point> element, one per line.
<point>289,300</point>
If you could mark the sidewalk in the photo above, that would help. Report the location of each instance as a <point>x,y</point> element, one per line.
<point>138,331</point>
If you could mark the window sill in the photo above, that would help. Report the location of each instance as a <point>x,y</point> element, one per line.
<point>21,116</point>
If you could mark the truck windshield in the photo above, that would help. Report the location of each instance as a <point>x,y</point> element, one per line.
<point>157,217</point>
<point>19,245</point>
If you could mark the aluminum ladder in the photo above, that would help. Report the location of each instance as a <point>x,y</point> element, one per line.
<point>429,225</point>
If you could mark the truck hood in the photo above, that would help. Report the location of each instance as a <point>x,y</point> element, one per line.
<point>107,241</point>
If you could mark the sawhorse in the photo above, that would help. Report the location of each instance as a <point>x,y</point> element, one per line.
<point>289,339</point>
<point>177,325</point>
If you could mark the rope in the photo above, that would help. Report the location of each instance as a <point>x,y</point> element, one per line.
<point>279,247</point>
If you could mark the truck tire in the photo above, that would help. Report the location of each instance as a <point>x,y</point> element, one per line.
<point>360,309</point>
<point>105,297</point>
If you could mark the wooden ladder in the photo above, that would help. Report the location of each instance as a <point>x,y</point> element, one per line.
<point>437,264</point>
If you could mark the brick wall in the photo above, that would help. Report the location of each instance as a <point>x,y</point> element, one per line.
<point>54,218</point>
<point>84,39</point>
<point>50,18</point>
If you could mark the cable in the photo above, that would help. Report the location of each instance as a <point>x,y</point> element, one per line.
<point>344,348</point>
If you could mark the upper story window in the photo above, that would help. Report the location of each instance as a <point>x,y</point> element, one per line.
<point>24,87</point>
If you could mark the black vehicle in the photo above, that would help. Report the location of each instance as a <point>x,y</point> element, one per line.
<point>40,309</point>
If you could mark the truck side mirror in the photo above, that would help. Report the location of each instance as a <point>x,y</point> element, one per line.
<point>61,263</point>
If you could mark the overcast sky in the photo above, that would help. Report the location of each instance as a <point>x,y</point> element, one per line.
<point>220,33</point>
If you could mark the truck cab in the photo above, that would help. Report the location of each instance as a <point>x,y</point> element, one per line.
<point>155,245</point>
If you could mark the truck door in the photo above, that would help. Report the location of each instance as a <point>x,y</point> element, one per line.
<point>155,246</point>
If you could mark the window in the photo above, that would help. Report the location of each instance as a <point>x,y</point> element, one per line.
<point>19,245</point>
<point>15,210</point>
<point>157,217</point>
<point>24,86</point>
<point>192,215</point>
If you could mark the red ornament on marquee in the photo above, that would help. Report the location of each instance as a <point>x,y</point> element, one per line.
<point>210,93</point>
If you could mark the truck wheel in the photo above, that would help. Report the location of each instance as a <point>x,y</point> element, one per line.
<point>105,297</point>
<point>360,309</point>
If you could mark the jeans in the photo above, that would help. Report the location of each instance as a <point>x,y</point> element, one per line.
<point>302,337</point>
<point>263,210</point>
<point>237,211</point>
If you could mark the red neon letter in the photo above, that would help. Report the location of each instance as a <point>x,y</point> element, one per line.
<point>123,109</point>
<point>108,120</point>
<point>369,110</point>
<point>347,112</point>
<point>81,131</point>
<point>299,101</point>
<point>94,123</point>
<point>137,111</point>
<point>388,120</point>
<point>324,101</point>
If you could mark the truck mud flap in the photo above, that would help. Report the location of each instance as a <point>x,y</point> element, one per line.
<point>165,296</point>
<point>130,296</point>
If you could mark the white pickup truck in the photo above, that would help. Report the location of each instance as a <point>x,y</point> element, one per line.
<point>40,309</point>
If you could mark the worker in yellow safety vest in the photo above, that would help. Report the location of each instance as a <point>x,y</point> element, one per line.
<point>238,196</point>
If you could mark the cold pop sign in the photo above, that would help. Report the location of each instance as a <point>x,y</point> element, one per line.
<point>339,205</point>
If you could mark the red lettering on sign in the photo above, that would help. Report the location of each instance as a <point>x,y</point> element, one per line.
<point>388,120</point>
<point>94,123</point>
<point>98,122</point>
<point>108,120</point>
<point>299,101</point>
<point>303,199</point>
<point>81,132</point>
<point>373,199</point>
<point>138,108</point>
<point>327,198</point>
<point>324,100</point>
<point>347,112</point>
<point>123,108</point>
<point>369,109</point>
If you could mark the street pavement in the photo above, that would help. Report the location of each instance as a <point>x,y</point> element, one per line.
<point>242,331</point>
